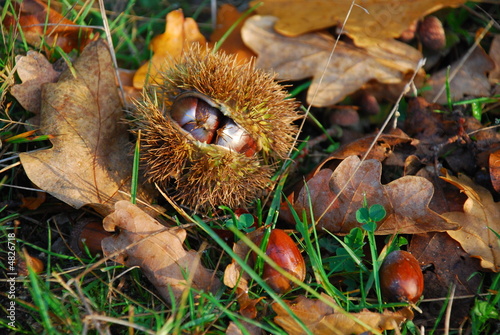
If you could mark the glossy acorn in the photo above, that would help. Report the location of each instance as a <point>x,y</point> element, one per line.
<point>88,235</point>
<point>401,278</point>
<point>213,130</point>
<point>282,250</point>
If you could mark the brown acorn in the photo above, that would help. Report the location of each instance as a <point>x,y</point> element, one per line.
<point>282,250</point>
<point>431,33</point>
<point>401,278</point>
<point>213,130</point>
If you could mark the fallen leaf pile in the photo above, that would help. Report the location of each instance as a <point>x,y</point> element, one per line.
<point>452,222</point>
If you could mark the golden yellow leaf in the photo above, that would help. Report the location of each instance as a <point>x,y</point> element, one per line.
<point>179,33</point>
<point>368,21</point>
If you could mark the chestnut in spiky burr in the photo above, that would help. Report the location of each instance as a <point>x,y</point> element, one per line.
<point>213,130</point>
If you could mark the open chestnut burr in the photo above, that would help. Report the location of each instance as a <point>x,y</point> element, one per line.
<point>201,118</point>
<point>214,131</point>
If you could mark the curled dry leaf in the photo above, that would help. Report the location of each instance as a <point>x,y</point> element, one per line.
<point>479,222</point>
<point>179,33</point>
<point>235,277</point>
<point>90,161</point>
<point>470,79</point>
<point>368,20</point>
<point>161,257</point>
<point>405,200</point>
<point>321,319</point>
<point>34,70</point>
<point>306,56</point>
<point>43,26</point>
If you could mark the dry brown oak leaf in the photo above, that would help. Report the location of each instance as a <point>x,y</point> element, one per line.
<point>306,56</point>
<point>369,19</point>
<point>161,257</point>
<point>321,319</point>
<point>34,70</point>
<point>405,199</point>
<point>466,77</point>
<point>90,162</point>
<point>479,221</point>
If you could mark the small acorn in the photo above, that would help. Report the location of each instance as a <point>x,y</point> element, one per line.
<point>401,278</point>
<point>431,33</point>
<point>88,235</point>
<point>213,130</point>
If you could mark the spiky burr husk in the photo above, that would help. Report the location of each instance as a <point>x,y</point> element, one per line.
<point>208,175</point>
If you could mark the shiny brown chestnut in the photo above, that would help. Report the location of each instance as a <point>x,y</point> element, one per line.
<point>401,278</point>
<point>88,234</point>
<point>282,250</point>
<point>232,136</point>
<point>202,118</point>
<point>197,116</point>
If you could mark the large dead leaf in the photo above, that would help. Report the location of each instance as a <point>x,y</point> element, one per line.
<point>307,55</point>
<point>179,34</point>
<point>405,199</point>
<point>34,70</point>
<point>41,24</point>
<point>369,19</point>
<point>161,257</point>
<point>90,160</point>
<point>465,78</point>
<point>321,319</point>
<point>478,221</point>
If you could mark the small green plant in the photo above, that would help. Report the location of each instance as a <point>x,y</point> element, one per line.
<point>369,216</point>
